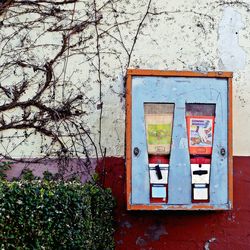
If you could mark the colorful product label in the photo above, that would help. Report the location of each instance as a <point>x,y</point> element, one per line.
<point>200,134</point>
<point>159,133</point>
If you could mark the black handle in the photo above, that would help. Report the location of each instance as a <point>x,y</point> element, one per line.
<point>158,172</point>
<point>200,172</point>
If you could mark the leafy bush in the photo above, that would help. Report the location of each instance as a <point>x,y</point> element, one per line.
<point>55,215</point>
<point>4,165</point>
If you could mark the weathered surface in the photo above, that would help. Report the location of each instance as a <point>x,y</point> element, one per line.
<point>167,35</point>
<point>116,35</point>
<point>232,56</point>
<point>229,230</point>
<point>172,90</point>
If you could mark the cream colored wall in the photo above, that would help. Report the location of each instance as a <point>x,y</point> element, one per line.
<point>193,35</point>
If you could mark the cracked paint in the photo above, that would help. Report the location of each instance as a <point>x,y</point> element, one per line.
<point>179,35</point>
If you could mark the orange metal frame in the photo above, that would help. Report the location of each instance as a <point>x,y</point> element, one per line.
<point>145,72</point>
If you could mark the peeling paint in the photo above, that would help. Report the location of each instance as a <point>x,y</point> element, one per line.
<point>232,55</point>
<point>155,231</point>
<point>207,244</point>
<point>182,229</point>
<point>178,35</point>
<point>140,241</point>
<point>126,224</point>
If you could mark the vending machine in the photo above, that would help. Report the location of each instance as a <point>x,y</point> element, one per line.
<point>179,140</point>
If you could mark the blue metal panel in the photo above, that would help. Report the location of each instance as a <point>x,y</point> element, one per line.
<point>179,91</point>
<point>179,171</point>
<point>140,173</point>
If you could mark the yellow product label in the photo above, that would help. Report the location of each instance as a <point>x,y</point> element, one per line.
<point>159,134</point>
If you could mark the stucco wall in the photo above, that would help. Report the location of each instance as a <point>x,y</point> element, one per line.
<point>205,35</point>
<point>176,35</point>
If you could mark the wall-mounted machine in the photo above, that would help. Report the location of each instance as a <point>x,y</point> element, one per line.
<point>179,140</point>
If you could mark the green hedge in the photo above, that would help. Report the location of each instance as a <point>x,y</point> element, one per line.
<point>55,215</point>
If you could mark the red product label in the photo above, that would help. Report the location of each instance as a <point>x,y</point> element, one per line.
<point>200,134</point>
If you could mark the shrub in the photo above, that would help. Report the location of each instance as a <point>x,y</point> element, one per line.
<point>4,165</point>
<point>55,215</point>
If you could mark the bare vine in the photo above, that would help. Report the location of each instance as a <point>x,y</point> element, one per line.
<point>43,100</point>
<point>57,60</point>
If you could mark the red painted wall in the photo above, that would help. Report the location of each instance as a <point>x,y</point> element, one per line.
<point>182,230</point>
